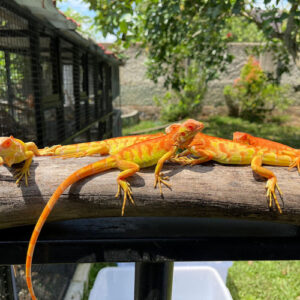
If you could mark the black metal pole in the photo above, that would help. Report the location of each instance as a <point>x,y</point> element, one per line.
<point>153,281</point>
<point>76,86</point>
<point>7,284</point>
<point>34,39</point>
<point>10,93</point>
<point>57,84</point>
<point>102,100</point>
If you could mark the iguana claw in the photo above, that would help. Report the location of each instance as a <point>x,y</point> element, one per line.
<point>160,179</point>
<point>125,186</point>
<point>21,172</point>
<point>295,163</point>
<point>271,187</point>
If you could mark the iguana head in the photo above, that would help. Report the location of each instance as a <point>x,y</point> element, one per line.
<point>9,148</point>
<point>186,131</point>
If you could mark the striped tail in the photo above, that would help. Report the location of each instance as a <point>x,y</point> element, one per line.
<point>94,168</point>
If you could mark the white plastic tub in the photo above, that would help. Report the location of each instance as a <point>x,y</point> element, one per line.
<point>189,283</point>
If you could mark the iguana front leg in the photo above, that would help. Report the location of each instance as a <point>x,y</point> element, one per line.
<point>159,177</point>
<point>30,150</point>
<point>31,146</point>
<point>24,171</point>
<point>256,165</point>
<point>129,168</point>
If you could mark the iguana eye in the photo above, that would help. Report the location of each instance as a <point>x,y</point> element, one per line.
<point>190,127</point>
<point>6,143</point>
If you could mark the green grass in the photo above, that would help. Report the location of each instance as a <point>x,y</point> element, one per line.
<point>144,125</point>
<point>225,126</point>
<point>264,280</point>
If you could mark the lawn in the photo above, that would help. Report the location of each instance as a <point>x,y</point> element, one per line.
<point>224,127</point>
<point>142,126</point>
<point>264,280</point>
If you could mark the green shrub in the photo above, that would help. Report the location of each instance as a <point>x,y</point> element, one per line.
<point>176,105</point>
<point>252,97</point>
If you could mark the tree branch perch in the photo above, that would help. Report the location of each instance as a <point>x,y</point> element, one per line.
<point>208,190</point>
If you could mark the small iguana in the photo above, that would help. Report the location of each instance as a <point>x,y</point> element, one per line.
<point>231,152</point>
<point>129,160</point>
<point>13,151</point>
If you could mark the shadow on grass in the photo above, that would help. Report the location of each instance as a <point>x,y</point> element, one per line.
<point>232,287</point>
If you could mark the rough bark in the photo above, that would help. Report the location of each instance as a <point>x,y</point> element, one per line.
<point>209,190</point>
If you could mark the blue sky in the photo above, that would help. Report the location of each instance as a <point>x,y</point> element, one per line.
<point>83,8</point>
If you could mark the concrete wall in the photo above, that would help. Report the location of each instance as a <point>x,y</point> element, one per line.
<point>136,89</point>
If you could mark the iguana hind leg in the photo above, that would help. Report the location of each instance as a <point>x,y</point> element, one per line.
<point>256,165</point>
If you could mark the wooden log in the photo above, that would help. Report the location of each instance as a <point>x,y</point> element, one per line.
<point>208,190</point>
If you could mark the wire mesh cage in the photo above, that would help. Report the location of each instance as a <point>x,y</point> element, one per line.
<point>55,86</point>
<point>16,85</point>
<point>50,86</point>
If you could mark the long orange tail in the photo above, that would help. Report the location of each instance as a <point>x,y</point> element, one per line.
<point>94,168</point>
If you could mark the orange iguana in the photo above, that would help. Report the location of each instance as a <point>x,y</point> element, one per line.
<point>13,151</point>
<point>129,160</point>
<point>231,152</point>
<point>246,138</point>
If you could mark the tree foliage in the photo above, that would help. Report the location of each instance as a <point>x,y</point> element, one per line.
<point>172,31</point>
<point>176,105</point>
<point>252,97</point>
<point>238,29</point>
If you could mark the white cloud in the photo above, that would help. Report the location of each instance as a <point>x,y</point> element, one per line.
<point>77,5</point>
<point>83,9</point>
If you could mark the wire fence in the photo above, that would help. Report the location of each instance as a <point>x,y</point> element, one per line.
<point>50,85</point>
<point>55,87</point>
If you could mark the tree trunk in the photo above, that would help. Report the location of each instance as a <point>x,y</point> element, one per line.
<point>208,190</point>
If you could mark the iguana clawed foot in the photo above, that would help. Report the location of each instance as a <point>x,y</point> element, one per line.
<point>20,173</point>
<point>125,186</point>
<point>183,160</point>
<point>161,179</point>
<point>271,187</point>
<point>295,163</point>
